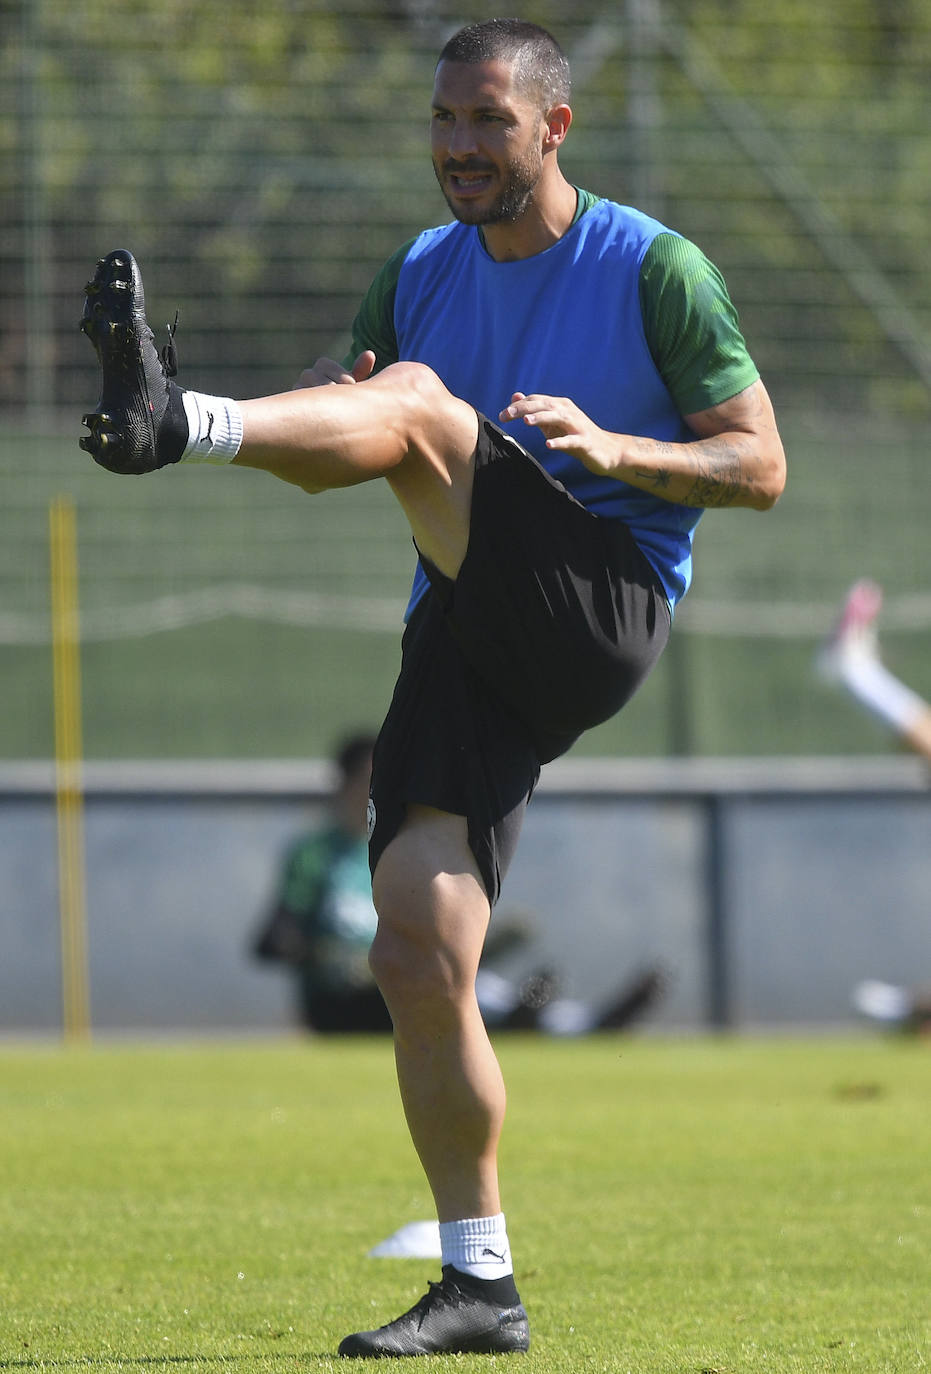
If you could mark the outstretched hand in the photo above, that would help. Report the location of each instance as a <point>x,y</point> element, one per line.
<point>566,428</point>
<point>326,371</point>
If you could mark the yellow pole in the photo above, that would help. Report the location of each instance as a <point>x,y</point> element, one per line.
<point>68,754</point>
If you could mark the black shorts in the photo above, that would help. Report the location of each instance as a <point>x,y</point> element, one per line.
<point>555,619</point>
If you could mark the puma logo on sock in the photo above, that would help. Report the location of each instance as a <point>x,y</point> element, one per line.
<point>494,1254</point>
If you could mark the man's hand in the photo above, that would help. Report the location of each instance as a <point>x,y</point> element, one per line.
<point>568,429</point>
<point>735,459</point>
<point>326,372</point>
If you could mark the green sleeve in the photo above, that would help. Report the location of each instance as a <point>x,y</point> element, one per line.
<point>691,326</point>
<point>373,326</point>
<point>304,876</point>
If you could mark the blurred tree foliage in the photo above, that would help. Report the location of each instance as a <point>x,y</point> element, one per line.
<point>275,154</point>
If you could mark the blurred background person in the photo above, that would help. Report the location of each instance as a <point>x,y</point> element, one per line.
<point>850,658</point>
<point>323,920</point>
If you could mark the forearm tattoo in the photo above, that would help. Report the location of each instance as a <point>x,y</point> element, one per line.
<point>658,479</point>
<point>719,476</point>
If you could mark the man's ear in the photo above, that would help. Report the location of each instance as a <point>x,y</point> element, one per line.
<point>556,126</point>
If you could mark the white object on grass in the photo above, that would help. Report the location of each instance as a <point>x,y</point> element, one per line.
<point>882,1001</point>
<point>415,1240</point>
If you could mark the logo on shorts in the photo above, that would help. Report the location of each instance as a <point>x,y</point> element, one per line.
<point>370,818</point>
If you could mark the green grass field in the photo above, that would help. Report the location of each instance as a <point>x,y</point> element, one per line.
<point>674,1206</point>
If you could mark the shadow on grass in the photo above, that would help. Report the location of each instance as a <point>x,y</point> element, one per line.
<point>73,1361</point>
<point>79,1361</point>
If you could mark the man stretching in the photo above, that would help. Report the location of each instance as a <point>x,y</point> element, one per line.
<point>553,386</point>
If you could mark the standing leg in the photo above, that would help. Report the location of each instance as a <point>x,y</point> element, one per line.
<point>433,914</point>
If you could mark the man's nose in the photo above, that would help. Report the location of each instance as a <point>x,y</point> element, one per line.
<point>462,142</point>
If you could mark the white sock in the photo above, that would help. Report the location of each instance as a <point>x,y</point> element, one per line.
<point>214,428</point>
<point>880,691</point>
<point>477,1246</point>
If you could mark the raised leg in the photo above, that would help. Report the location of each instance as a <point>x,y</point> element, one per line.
<point>402,424</point>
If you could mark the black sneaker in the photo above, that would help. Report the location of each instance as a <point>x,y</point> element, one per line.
<point>450,1319</point>
<point>139,423</point>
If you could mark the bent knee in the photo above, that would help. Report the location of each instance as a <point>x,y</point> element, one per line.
<point>416,377</point>
<point>434,419</point>
<point>417,386</point>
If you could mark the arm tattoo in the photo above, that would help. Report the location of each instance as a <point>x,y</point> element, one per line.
<point>658,479</point>
<point>720,479</point>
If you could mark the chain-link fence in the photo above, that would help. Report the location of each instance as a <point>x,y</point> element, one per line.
<point>262,162</point>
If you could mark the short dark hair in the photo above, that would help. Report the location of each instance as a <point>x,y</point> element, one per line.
<point>540,65</point>
<point>354,753</point>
